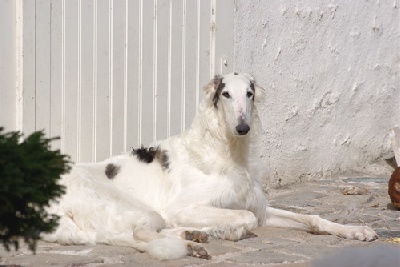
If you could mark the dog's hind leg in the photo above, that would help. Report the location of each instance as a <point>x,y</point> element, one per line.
<point>120,239</point>
<point>160,245</point>
<point>129,231</point>
<point>314,223</point>
<point>69,233</point>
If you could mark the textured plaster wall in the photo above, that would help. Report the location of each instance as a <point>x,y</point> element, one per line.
<point>331,72</point>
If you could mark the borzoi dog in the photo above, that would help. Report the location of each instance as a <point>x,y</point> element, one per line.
<point>166,199</point>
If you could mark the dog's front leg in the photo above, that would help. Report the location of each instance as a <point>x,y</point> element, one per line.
<point>216,222</point>
<point>314,223</point>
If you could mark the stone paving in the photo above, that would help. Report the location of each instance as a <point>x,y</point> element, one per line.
<point>356,201</point>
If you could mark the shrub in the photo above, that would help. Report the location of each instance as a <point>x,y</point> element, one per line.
<point>29,175</point>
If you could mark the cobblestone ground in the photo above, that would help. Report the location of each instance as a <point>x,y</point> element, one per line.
<point>356,201</point>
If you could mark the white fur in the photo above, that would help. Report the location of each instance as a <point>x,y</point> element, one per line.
<point>167,248</point>
<point>212,184</point>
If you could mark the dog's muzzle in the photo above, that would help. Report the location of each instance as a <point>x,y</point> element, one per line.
<point>242,128</point>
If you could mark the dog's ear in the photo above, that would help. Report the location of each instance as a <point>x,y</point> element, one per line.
<point>259,92</point>
<point>213,88</point>
<point>213,84</point>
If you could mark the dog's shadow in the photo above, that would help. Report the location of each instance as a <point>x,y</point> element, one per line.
<point>385,234</point>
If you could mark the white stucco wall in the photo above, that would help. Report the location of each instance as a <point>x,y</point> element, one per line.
<point>331,72</point>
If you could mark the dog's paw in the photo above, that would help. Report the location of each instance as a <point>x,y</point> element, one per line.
<point>195,236</point>
<point>365,234</point>
<point>362,233</point>
<point>240,234</point>
<point>197,251</point>
<point>248,234</point>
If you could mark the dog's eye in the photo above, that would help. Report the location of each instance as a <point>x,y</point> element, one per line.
<point>226,94</point>
<point>249,94</point>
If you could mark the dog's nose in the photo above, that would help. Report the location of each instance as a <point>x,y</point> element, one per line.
<point>243,128</point>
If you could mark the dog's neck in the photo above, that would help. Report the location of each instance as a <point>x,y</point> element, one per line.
<point>210,132</point>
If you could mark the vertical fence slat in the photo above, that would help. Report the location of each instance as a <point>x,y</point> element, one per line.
<point>71,81</point>
<point>42,79</point>
<point>102,117</point>
<point>28,73</point>
<point>147,65</point>
<point>224,36</point>
<point>176,65</point>
<point>8,65</point>
<point>86,81</point>
<point>162,68</point>
<point>190,63</point>
<point>132,74</point>
<point>118,68</point>
<point>56,119</point>
<point>204,45</point>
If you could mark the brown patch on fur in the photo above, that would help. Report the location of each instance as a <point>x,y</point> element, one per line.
<point>162,157</point>
<point>218,86</point>
<point>145,155</point>
<point>252,87</point>
<point>112,170</point>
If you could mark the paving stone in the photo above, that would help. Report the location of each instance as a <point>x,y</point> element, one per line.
<point>219,247</point>
<point>276,247</point>
<point>112,250</point>
<point>310,251</point>
<point>263,256</point>
<point>52,260</point>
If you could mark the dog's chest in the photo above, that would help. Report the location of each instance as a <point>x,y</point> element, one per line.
<point>236,190</point>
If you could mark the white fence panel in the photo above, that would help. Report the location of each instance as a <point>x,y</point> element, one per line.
<point>107,75</point>
<point>176,63</point>
<point>162,35</point>
<point>8,68</point>
<point>55,74</point>
<point>86,123</point>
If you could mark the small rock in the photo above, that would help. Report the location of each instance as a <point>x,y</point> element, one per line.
<point>352,190</point>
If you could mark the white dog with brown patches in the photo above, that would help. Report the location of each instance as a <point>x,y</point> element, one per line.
<point>203,183</point>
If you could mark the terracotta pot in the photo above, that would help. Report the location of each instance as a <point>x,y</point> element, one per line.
<point>394,188</point>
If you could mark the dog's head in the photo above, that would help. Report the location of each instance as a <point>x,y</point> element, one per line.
<point>234,95</point>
